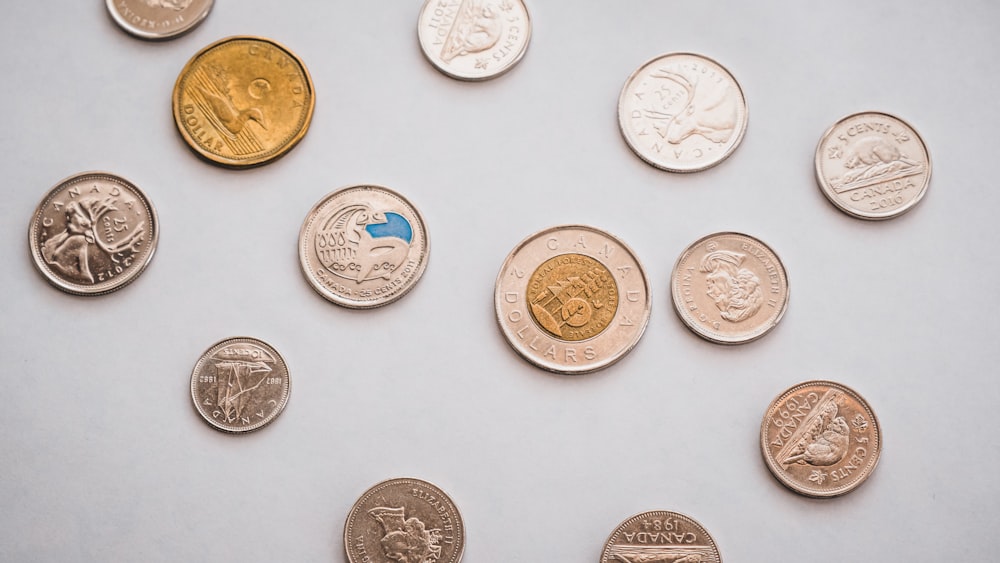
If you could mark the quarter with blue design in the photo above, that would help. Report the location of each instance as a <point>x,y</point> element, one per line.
<point>363,247</point>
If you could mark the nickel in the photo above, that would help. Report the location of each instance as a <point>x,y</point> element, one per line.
<point>820,439</point>
<point>660,536</point>
<point>729,288</point>
<point>158,19</point>
<point>873,165</point>
<point>572,299</point>
<point>404,520</point>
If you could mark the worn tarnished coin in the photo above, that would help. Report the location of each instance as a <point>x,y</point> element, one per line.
<point>682,112</point>
<point>404,520</point>
<point>872,165</point>
<point>820,439</point>
<point>93,233</point>
<point>243,101</point>
<point>474,39</point>
<point>240,384</point>
<point>363,246</point>
<point>729,288</point>
<point>158,19</point>
<point>572,299</point>
<point>660,536</point>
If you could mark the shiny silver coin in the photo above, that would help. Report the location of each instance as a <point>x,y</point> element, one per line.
<point>474,39</point>
<point>682,112</point>
<point>240,384</point>
<point>572,299</point>
<point>363,247</point>
<point>93,233</point>
<point>158,19</point>
<point>873,165</point>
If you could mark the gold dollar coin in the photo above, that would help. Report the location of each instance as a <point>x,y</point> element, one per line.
<point>243,101</point>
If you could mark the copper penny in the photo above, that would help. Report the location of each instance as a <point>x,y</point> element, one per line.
<point>660,536</point>
<point>404,521</point>
<point>240,384</point>
<point>873,165</point>
<point>93,233</point>
<point>820,439</point>
<point>729,288</point>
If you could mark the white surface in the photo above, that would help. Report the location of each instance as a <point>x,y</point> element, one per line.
<point>103,458</point>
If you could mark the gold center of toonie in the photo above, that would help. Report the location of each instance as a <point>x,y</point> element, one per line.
<point>572,296</point>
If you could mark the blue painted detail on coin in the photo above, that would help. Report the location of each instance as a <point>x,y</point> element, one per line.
<point>395,226</point>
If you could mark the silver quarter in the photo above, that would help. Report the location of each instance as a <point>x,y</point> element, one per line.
<point>158,19</point>
<point>682,112</point>
<point>474,39</point>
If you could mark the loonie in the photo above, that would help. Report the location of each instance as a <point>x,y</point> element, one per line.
<point>363,247</point>
<point>158,19</point>
<point>872,165</point>
<point>572,299</point>
<point>404,520</point>
<point>474,39</point>
<point>93,233</point>
<point>660,536</point>
<point>682,112</point>
<point>240,384</point>
<point>243,101</point>
<point>820,439</point>
<point>729,288</point>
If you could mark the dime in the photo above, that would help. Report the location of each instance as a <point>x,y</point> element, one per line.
<point>243,101</point>
<point>872,165</point>
<point>363,246</point>
<point>682,112</point>
<point>93,233</point>
<point>729,288</point>
<point>240,384</point>
<point>474,39</point>
<point>820,439</point>
<point>404,520</point>
<point>660,536</point>
<point>572,299</point>
<point>158,19</point>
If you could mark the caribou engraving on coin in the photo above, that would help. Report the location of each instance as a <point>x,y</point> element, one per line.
<point>820,439</point>
<point>872,165</point>
<point>660,536</point>
<point>93,233</point>
<point>474,39</point>
<point>240,384</point>
<point>682,112</point>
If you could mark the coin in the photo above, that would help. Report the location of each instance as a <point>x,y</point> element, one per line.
<point>404,520</point>
<point>240,384</point>
<point>682,112</point>
<point>820,439</point>
<point>93,233</point>
<point>660,536</point>
<point>363,246</point>
<point>872,165</point>
<point>158,19</point>
<point>572,299</point>
<point>243,101</point>
<point>474,39</point>
<point>729,288</point>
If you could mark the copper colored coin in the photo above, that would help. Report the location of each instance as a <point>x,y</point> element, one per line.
<point>660,536</point>
<point>729,288</point>
<point>243,101</point>
<point>872,165</point>
<point>159,19</point>
<point>474,39</point>
<point>363,247</point>
<point>572,299</point>
<point>682,112</point>
<point>820,439</point>
<point>93,233</point>
<point>404,520</point>
<point>240,384</point>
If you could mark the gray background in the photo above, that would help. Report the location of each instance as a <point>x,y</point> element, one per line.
<point>103,458</point>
